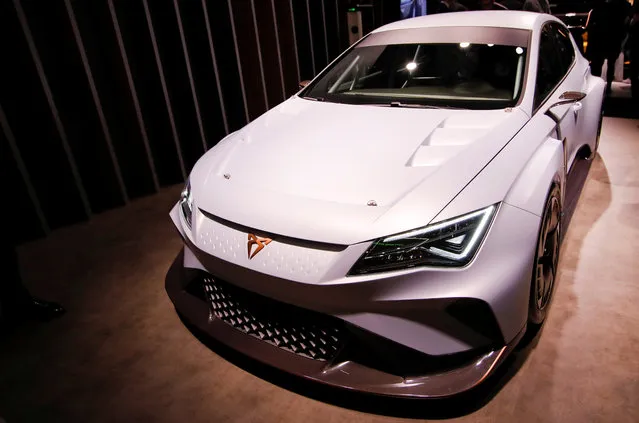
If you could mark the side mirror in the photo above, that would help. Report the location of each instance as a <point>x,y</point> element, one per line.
<point>569,97</point>
<point>303,83</point>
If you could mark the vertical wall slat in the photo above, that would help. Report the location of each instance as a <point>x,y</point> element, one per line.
<point>339,31</point>
<point>297,59</point>
<point>108,70</point>
<point>167,100</point>
<point>54,110</point>
<point>140,60</point>
<point>324,30</point>
<point>134,95</point>
<point>249,56</point>
<point>331,31</point>
<point>96,101</point>
<point>194,16</point>
<point>259,52</point>
<point>187,61</point>
<point>239,62</point>
<point>267,32</point>
<point>310,36</point>
<point>317,33</point>
<point>220,25</point>
<point>8,133</point>
<point>285,30</point>
<point>215,69</point>
<point>279,50</point>
<point>300,20</point>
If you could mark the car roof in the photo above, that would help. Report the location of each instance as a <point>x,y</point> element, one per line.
<point>489,18</point>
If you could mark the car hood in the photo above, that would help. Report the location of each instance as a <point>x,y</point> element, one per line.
<point>342,174</point>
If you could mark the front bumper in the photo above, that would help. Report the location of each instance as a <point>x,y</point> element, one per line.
<point>420,332</point>
<point>446,376</point>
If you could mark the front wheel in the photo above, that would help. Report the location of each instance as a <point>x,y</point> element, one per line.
<point>546,259</point>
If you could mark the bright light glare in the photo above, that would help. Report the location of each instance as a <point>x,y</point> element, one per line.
<point>490,45</point>
<point>571,14</point>
<point>519,50</point>
<point>457,240</point>
<point>437,226</point>
<point>411,66</point>
<point>464,44</point>
<point>487,213</point>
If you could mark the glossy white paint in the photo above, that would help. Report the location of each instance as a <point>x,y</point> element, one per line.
<point>383,303</point>
<point>321,163</point>
<point>306,170</point>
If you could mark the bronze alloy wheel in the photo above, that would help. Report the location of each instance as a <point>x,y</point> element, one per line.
<point>546,258</point>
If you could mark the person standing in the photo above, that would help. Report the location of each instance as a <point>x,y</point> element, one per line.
<point>539,6</point>
<point>606,27</point>
<point>490,5</point>
<point>446,6</point>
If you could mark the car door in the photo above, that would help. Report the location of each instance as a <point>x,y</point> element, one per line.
<point>573,81</point>
<point>554,77</point>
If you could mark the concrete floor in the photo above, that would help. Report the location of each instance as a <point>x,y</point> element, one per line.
<point>122,354</point>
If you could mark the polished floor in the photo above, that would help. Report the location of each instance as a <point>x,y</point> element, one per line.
<point>122,354</point>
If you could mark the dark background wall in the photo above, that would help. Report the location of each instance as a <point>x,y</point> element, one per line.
<point>104,101</point>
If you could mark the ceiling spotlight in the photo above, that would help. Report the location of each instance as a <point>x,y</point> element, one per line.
<point>411,66</point>
<point>464,44</point>
<point>490,45</point>
<point>519,50</point>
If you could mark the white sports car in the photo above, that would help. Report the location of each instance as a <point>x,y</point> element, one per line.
<point>395,226</point>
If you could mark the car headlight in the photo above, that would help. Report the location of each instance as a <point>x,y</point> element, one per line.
<point>451,243</point>
<point>186,202</point>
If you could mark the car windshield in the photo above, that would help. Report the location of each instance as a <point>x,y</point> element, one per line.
<point>461,74</point>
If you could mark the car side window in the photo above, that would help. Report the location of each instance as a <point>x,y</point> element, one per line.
<point>549,67</point>
<point>564,46</point>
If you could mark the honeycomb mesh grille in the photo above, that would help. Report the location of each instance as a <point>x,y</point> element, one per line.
<point>299,331</point>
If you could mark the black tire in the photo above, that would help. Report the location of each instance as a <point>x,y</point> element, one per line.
<point>546,259</point>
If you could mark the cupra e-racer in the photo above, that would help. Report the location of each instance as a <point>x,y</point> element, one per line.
<point>395,226</point>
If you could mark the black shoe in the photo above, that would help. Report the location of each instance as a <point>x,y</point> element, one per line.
<point>44,310</point>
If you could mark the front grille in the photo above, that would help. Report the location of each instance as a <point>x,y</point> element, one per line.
<point>290,328</point>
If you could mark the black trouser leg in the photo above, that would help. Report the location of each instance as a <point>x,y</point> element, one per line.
<point>612,59</point>
<point>596,64</point>
<point>14,296</point>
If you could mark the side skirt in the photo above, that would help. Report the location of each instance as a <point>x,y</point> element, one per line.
<point>575,181</point>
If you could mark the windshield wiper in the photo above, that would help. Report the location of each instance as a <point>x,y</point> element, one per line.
<point>417,105</point>
<point>314,98</point>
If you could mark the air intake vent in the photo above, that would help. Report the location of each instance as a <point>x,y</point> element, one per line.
<point>299,331</point>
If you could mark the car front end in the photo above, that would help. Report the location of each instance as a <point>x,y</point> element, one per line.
<point>335,238</point>
<point>317,311</point>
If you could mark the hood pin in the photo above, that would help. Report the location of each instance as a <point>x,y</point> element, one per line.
<point>372,203</point>
<point>227,176</point>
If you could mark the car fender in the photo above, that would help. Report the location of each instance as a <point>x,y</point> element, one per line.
<point>516,174</point>
<point>530,189</point>
<point>519,177</point>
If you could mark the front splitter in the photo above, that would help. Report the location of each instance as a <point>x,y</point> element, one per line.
<point>345,374</point>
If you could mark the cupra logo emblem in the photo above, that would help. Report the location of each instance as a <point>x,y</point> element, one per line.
<point>259,242</point>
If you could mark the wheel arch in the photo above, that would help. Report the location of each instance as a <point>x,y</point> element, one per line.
<point>545,168</point>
